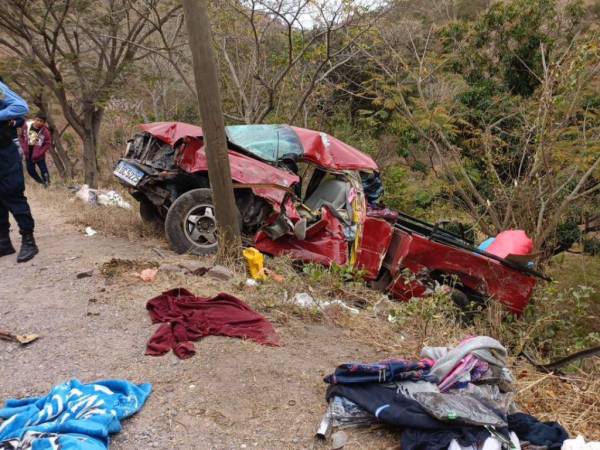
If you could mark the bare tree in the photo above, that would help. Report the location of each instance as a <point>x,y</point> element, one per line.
<point>288,49</point>
<point>548,174</point>
<point>82,52</point>
<point>273,52</point>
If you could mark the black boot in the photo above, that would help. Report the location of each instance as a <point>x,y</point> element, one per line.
<point>6,247</point>
<point>28,248</point>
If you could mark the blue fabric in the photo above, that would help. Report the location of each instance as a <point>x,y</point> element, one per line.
<point>382,372</point>
<point>73,415</point>
<point>485,244</point>
<point>528,428</point>
<point>11,105</point>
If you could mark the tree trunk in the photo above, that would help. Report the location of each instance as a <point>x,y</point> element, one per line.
<point>63,163</point>
<point>90,160</point>
<point>92,118</point>
<point>209,99</point>
<point>61,167</point>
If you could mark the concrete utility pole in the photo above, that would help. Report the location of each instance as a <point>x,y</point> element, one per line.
<point>215,140</point>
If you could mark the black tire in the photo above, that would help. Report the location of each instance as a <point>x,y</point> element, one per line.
<point>460,299</point>
<point>468,305</point>
<point>189,227</point>
<point>149,212</point>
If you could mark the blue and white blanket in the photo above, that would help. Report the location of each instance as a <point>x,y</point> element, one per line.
<point>73,416</point>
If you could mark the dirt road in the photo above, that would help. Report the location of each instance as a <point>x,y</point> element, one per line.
<point>231,394</point>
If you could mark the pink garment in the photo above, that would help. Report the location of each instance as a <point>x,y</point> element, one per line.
<point>470,368</point>
<point>511,242</point>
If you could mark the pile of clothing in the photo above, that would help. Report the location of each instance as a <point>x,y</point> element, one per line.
<point>73,416</point>
<point>452,398</point>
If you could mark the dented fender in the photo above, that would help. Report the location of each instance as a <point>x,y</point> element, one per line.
<point>476,272</point>
<point>266,181</point>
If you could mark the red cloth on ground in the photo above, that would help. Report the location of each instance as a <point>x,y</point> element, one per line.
<point>186,318</point>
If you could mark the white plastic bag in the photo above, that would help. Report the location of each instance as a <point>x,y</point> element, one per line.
<point>580,444</point>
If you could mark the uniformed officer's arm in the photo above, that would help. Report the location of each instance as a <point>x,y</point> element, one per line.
<point>11,105</point>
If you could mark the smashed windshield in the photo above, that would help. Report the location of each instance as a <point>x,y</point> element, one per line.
<point>268,142</point>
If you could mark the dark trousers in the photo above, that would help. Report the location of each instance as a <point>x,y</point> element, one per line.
<point>44,176</point>
<point>12,192</point>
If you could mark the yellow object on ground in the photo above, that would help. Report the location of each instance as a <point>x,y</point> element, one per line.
<point>256,263</point>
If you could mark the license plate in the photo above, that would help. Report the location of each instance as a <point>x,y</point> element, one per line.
<point>128,173</point>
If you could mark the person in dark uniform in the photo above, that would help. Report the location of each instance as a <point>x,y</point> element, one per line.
<point>12,182</point>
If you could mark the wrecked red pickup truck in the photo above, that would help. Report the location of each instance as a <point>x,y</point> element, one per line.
<point>310,196</point>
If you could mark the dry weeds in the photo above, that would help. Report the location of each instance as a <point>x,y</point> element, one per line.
<point>109,220</point>
<point>573,400</point>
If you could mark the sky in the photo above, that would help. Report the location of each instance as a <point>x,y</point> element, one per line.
<point>311,12</point>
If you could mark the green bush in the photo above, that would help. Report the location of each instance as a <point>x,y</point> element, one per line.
<point>591,246</point>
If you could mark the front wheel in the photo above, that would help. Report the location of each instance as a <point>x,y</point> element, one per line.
<point>191,224</point>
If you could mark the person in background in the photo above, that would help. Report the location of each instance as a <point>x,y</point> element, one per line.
<point>12,182</point>
<point>36,140</point>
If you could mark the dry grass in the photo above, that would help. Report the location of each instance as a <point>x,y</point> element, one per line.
<point>573,400</point>
<point>109,220</point>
